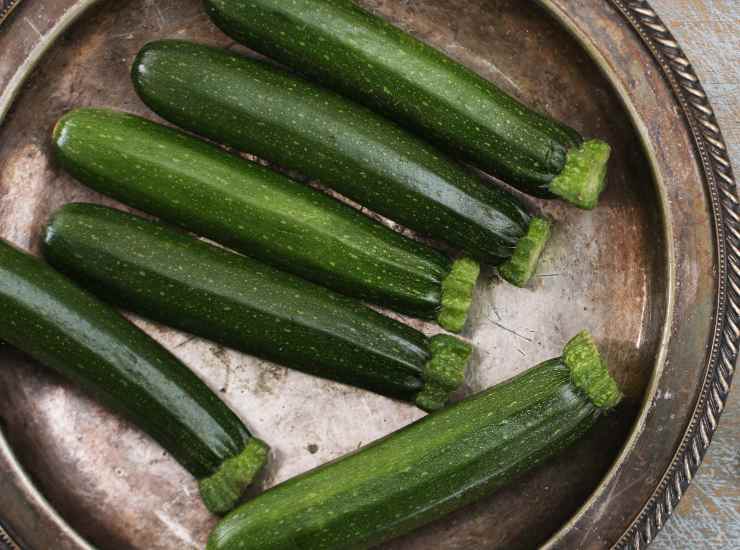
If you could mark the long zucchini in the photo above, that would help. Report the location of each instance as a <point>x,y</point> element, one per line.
<point>45,315</point>
<point>432,467</point>
<point>367,58</point>
<point>178,280</point>
<point>262,214</point>
<point>255,107</point>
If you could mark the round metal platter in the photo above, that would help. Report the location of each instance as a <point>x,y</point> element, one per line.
<point>652,272</point>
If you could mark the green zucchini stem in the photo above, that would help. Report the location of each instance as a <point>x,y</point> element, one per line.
<point>589,372</point>
<point>584,176</point>
<point>457,294</point>
<point>444,372</point>
<point>222,490</point>
<point>522,264</point>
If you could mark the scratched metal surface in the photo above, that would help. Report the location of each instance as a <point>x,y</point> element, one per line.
<point>120,491</point>
<point>708,517</point>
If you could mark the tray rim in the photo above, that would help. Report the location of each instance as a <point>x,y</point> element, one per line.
<point>710,146</point>
<point>719,179</point>
<point>6,7</point>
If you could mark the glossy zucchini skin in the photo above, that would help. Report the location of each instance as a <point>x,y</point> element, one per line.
<point>251,209</point>
<point>421,472</point>
<point>258,108</point>
<point>364,57</point>
<point>48,317</point>
<point>173,278</point>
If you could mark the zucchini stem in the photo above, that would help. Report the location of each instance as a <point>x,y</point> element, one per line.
<point>444,372</point>
<point>457,294</point>
<point>584,176</point>
<point>589,372</point>
<point>222,490</point>
<point>522,264</point>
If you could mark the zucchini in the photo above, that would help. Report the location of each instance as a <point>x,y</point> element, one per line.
<point>188,284</point>
<point>367,58</point>
<point>262,214</point>
<point>46,316</point>
<point>255,107</point>
<point>433,466</point>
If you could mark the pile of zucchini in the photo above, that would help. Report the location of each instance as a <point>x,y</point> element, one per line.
<point>296,264</point>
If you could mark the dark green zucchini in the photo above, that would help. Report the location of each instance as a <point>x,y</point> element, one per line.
<point>258,108</point>
<point>262,214</point>
<point>432,467</point>
<point>46,316</point>
<point>367,58</point>
<point>178,280</point>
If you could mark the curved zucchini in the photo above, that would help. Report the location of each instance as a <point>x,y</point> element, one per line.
<point>52,320</point>
<point>367,58</point>
<point>432,467</point>
<point>262,214</point>
<point>178,280</point>
<point>255,107</point>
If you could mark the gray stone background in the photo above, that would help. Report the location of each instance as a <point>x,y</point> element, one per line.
<point>708,516</point>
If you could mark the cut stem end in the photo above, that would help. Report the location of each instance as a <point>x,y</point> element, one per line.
<point>589,372</point>
<point>221,491</point>
<point>584,176</point>
<point>523,263</point>
<point>444,372</point>
<point>457,294</point>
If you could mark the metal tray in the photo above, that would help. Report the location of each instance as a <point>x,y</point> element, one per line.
<point>653,272</point>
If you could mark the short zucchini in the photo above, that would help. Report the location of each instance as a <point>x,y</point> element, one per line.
<point>173,278</point>
<point>262,214</point>
<point>255,107</point>
<point>432,467</point>
<point>45,315</point>
<point>367,58</point>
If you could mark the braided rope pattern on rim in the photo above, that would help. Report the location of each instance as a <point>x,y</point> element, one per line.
<point>7,543</point>
<point>718,171</point>
<point>6,6</point>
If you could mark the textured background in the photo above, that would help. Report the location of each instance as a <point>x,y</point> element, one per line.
<point>708,516</point>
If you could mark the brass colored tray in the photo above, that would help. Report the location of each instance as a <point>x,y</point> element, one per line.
<point>653,273</point>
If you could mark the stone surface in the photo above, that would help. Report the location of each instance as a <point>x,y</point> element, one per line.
<point>708,516</point>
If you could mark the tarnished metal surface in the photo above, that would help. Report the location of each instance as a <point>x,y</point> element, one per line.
<point>641,272</point>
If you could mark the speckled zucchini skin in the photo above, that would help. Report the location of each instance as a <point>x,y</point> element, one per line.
<point>249,208</point>
<point>365,57</point>
<point>45,315</point>
<point>178,280</point>
<point>258,108</point>
<point>419,473</point>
